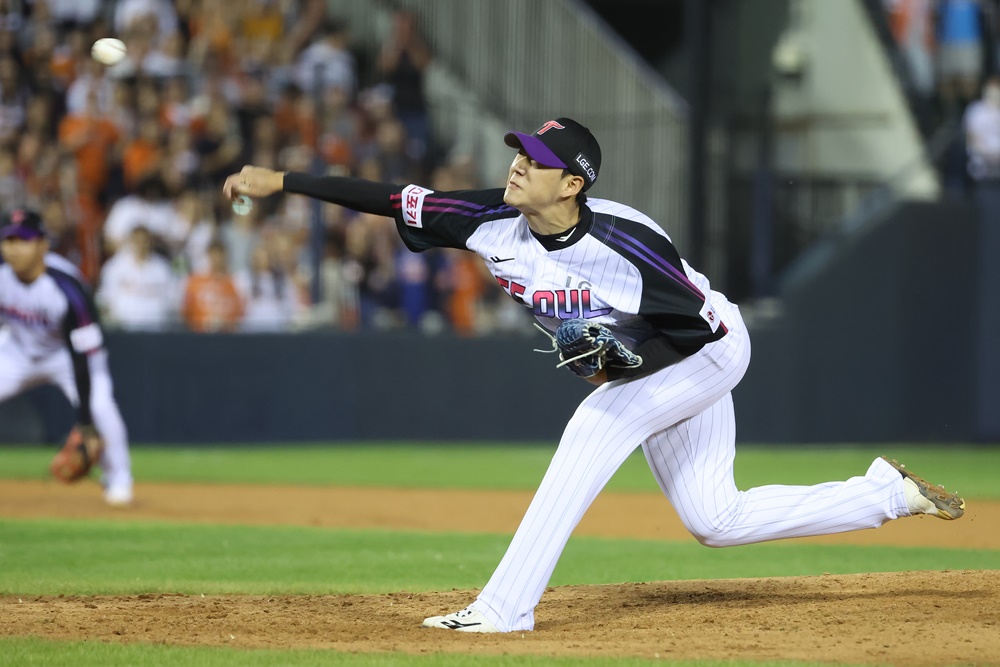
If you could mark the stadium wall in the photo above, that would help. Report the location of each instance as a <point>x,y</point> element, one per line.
<point>884,341</point>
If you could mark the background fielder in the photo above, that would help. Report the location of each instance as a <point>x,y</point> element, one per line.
<point>53,336</point>
<point>570,259</point>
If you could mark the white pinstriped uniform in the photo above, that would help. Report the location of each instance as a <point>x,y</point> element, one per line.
<point>52,336</point>
<point>681,415</point>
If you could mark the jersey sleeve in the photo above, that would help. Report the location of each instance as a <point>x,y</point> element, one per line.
<point>83,335</point>
<point>424,218</point>
<point>428,219</point>
<point>353,193</point>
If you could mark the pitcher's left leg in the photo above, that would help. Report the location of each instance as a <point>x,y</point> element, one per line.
<point>693,464</point>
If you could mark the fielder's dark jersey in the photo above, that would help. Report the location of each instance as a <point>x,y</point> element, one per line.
<point>55,312</point>
<point>616,266</point>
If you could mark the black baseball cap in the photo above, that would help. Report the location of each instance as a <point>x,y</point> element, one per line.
<point>561,144</point>
<point>22,223</point>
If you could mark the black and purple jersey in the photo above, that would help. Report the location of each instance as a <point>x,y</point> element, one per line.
<point>616,266</point>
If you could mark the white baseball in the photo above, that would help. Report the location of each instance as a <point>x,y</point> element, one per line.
<point>108,51</point>
<point>242,205</point>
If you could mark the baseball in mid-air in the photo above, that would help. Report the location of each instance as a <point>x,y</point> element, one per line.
<point>108,51</point>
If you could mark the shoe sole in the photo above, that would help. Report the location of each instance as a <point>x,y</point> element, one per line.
<point>445,623</point>
<point>949,505</point>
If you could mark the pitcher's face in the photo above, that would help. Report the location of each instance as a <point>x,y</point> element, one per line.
<point>532,186</point>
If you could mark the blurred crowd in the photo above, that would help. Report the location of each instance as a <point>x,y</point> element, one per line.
<point>126,164</point>
<point>951,52</point>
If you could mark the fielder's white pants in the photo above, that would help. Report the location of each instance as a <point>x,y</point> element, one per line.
<point>18,373</point>
<point>683,418</point>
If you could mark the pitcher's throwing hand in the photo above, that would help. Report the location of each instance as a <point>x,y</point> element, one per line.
<point>254,182</point>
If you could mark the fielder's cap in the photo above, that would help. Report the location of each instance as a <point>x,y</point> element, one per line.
<point>561,144</point>
<point>22,223</point>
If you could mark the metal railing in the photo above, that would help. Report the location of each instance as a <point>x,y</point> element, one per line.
<point>513,64</point>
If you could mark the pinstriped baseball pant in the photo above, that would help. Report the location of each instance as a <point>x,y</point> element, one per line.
<point>683,418</point>
<point>18,373</point>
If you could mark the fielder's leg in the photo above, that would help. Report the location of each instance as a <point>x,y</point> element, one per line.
<point>15,369</point>
<point>116,464</point>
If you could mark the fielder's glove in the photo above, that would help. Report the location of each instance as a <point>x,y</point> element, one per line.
<point>586,347</point>
<point>82,450</point>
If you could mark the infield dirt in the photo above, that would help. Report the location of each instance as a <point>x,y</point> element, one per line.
<point>906,618</point>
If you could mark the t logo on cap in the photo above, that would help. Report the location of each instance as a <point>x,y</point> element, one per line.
<point>548,126</point>
<point>572,148</point>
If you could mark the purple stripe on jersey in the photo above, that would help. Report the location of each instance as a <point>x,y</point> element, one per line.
<point>456,202</point>
<point>397,202</point>
<point>75,298</point>
<point>651,258</point>
<point>458,211</point>
<point>501,209</point>
<point>450,209</point>
<point>479,209</point>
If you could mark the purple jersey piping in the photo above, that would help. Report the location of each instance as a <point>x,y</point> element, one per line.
<point>75,297</point>
<point>650,256</point>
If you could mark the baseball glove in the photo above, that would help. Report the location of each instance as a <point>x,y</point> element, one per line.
<point>586,347</point>
<point>82,450</point>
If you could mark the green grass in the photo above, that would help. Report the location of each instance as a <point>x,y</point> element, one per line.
<point>972,470</point>
<point>127,558</point>
<point>30,652</point>
<point>49,556</point>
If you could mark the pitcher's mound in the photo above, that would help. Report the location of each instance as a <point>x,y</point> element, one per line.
<point>909,619</point>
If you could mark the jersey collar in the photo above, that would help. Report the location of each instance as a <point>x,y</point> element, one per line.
<point>565,239</point>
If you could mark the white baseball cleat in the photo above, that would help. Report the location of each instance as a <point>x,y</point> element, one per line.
<point>118,496</point>
<point>467,620</point>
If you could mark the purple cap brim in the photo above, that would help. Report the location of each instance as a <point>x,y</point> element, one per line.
<point>17,231</point>
<point>535,149</point>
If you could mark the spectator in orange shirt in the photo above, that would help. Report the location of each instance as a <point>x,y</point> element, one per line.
<point>262,26</point>
<point>211,23</point>
<point>143,156</point>
<point>211,300</point>
<point>465,279</point>
<point>92,139</point>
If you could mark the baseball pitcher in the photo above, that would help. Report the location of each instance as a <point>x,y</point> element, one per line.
<point>628,314</point>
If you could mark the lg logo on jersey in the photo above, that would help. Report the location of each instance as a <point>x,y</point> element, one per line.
<point>708,313</point>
